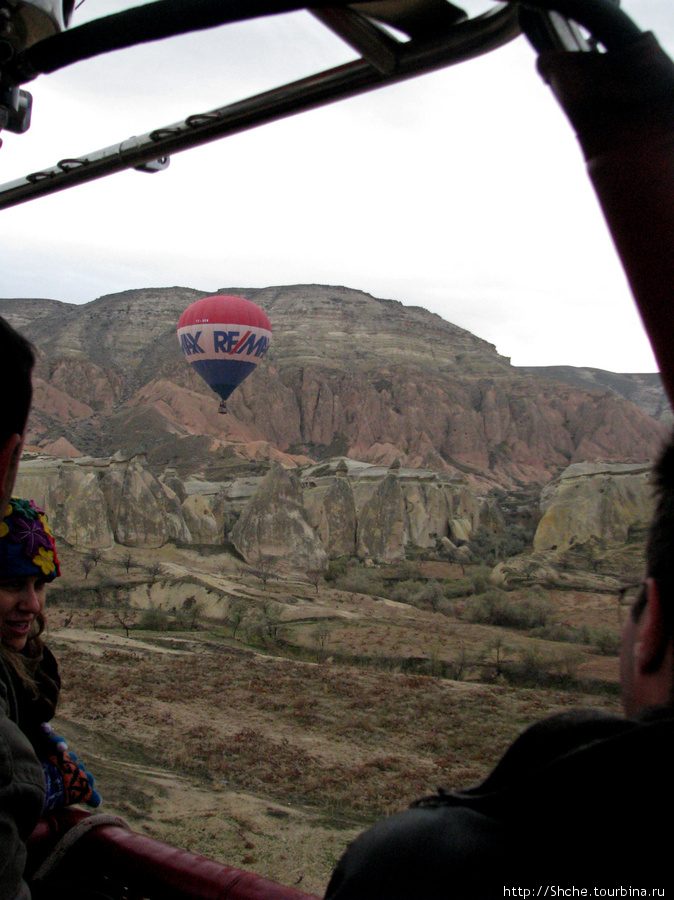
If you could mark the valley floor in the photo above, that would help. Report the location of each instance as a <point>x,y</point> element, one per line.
<point>271,757</point>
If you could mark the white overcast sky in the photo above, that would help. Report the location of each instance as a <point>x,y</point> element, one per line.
<point>463,191</point>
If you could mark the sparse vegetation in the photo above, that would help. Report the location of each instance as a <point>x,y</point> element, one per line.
<point>495,607</point>
<point>154,619</point>
<point>462,587</point>
<point>607,641</point>
<point>490,547</point>
<point>410,709</point>
<point>358,579</point>
<point>426,594</point>
<point>336,569</point>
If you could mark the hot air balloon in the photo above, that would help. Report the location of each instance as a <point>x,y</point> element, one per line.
<point>224,337</point>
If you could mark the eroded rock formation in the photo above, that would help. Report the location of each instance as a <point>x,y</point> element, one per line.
<point>287,520</point>
<point>331,510</point>
<point>200,521</point>
<point>381,523</point>
<point>94,503</point>
<point>592,531</point>
<point>273,530</point>
<point>601,502</point>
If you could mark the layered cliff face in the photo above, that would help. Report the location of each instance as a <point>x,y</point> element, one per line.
<point>347,374</point>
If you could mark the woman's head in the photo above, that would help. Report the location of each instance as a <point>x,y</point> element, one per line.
<point>28,562</point>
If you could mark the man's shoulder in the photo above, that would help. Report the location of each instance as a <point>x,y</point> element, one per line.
<point>583,756</point>
<point>551,742</point>
<point>581,790</point>
<point>555,803</point>
<point>427,852</point>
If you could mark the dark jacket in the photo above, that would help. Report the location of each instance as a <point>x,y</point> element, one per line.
<point>22,792</point>
<point>580,799</point>
<point>31,710</point>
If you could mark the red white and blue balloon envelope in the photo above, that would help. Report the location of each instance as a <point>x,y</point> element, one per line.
<point>224,337</point>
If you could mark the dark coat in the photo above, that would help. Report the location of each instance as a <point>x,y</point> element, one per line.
<point>22,791</point>
<point>580,799</point>
<point>31,710</point>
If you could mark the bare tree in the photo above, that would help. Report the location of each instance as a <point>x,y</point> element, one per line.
<point>498,648</point>
<point>459,664</point>
<point>454,555</point>
<point>126,619</point>
<point>193,610</point>
<point>155,571</point>
<point>237,613</point>
<point>314,576</point>
<point>569,660</point>
<point>127,561</point>
<point>271,615</point>
<point>431,593</point>
<point>95,556</point>
<point>321,634</point>
<point>264,570</point>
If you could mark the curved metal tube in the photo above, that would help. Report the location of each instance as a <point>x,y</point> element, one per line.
<point>466,40</point>
<point>167,18</point>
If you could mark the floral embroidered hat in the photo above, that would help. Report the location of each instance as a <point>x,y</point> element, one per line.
<point>27,545</point>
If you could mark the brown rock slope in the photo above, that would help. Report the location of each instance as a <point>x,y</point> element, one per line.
<point>347,374</point>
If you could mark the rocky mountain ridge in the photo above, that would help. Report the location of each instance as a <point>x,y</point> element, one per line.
<point>347,374</point>
<point>643,389</point>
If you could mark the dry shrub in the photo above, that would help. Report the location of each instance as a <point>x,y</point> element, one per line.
<point>500,609</point>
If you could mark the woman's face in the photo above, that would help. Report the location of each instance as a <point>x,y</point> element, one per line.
<point>21,599</point>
